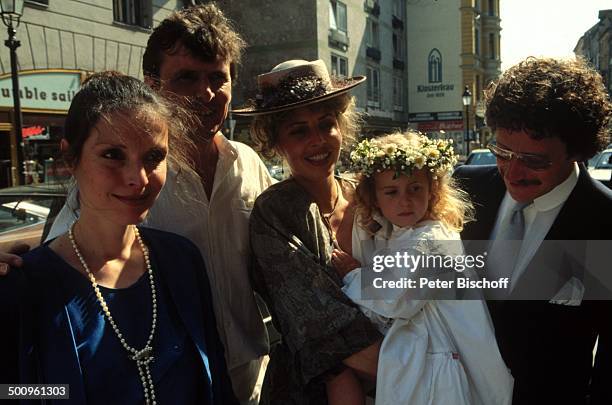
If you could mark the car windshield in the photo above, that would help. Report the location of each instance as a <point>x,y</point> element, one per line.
<point>605,161</point>
<point>17,213</point>
<point>593,161</point>
<point>481,158</point>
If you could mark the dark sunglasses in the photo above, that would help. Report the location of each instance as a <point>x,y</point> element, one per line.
<point>533,162</point>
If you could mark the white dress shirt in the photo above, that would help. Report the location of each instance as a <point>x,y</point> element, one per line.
<point>219,227</point>
<point>539,217</point>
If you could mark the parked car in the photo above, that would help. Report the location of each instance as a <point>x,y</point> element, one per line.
<point>480,157</point>
<point>592,161</point>
<point>25,210</point>
<point>277,172</point>
<point>600,167</point>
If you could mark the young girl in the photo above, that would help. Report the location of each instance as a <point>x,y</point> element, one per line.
<point>435,351</point>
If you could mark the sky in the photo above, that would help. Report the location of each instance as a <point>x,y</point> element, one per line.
<point>545,27</point>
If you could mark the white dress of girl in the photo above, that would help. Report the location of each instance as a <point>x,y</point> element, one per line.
<point>435,351</point>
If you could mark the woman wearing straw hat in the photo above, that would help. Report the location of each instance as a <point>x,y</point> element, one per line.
<point>305,117</point>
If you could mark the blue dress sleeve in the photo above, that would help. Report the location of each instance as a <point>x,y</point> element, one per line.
<point>10,287</point>
<point>181,262</point>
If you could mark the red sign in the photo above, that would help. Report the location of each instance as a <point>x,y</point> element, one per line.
<point>431,126</point>
<point>29,131</point>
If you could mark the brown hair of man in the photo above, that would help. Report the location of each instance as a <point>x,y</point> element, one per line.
<point>552,98</point>
<point>203,30</point>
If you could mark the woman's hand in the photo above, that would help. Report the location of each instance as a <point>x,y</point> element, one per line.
<point>343,262</point>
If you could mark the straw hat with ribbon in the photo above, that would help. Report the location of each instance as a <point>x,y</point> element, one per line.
<point>296,83</point>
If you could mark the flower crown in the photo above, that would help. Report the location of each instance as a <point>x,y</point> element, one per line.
<point>436,154</point>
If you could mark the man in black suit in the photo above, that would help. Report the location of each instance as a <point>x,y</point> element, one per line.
<point>547,115</point>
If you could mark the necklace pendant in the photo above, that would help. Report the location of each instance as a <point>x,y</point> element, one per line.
<point>143,355</point>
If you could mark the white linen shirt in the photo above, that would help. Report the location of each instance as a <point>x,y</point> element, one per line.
<point>219,228</point>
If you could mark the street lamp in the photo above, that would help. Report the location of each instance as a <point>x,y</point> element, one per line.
<point>466,97</point>
<point>11,11</point>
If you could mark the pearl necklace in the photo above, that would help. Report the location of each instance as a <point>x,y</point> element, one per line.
<point>144,356</point>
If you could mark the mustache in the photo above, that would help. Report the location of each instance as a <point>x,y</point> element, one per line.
<point>528,182</point>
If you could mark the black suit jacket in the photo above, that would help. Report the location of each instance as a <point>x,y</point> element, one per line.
<point>548,347</point>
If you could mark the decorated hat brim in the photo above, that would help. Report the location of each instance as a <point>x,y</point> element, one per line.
<point>346,85</point>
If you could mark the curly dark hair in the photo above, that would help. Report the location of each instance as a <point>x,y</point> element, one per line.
<point>552,98</point>
<point>203,30</point>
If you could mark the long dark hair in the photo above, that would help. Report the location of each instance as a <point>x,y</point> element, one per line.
<point>106,93</point>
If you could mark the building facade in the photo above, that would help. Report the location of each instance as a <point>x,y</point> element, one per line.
<point>61,41</point>
<point>451,45</point>
<point>596,47</point>
<point>353,37</point>
<point>481,59</point>
<point>418,55</point>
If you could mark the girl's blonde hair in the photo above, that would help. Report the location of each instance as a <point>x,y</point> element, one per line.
<point>447,204</point>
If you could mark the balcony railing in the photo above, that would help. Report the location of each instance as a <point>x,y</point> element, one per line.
<point>338,39</point>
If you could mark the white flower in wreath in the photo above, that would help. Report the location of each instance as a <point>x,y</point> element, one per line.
<point>433,153</point>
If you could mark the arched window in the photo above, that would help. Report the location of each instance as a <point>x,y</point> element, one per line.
<point>434,62</point>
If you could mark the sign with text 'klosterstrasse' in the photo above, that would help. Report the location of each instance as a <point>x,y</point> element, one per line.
<point>44,90</point>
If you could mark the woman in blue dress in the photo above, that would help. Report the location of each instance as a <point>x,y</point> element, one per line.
<point>120,313</point>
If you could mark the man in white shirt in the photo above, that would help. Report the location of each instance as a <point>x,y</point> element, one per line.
<point>194,54</point>
<point>547,115</point>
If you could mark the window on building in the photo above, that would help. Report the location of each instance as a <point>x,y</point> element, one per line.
<point>478,88</point>
<point>372,39</point>
<point>398,101</point>
<point>339,65</point>
<point>398,9</point>
<point>133,12</point>
<point>42,2</point>
<point>492,7</point>
<point>492,47</point>
<point>476,41</point>
<point>434,66</point>
<point>373,89</point>
<point>337,16</point>
<point>398,46</point>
